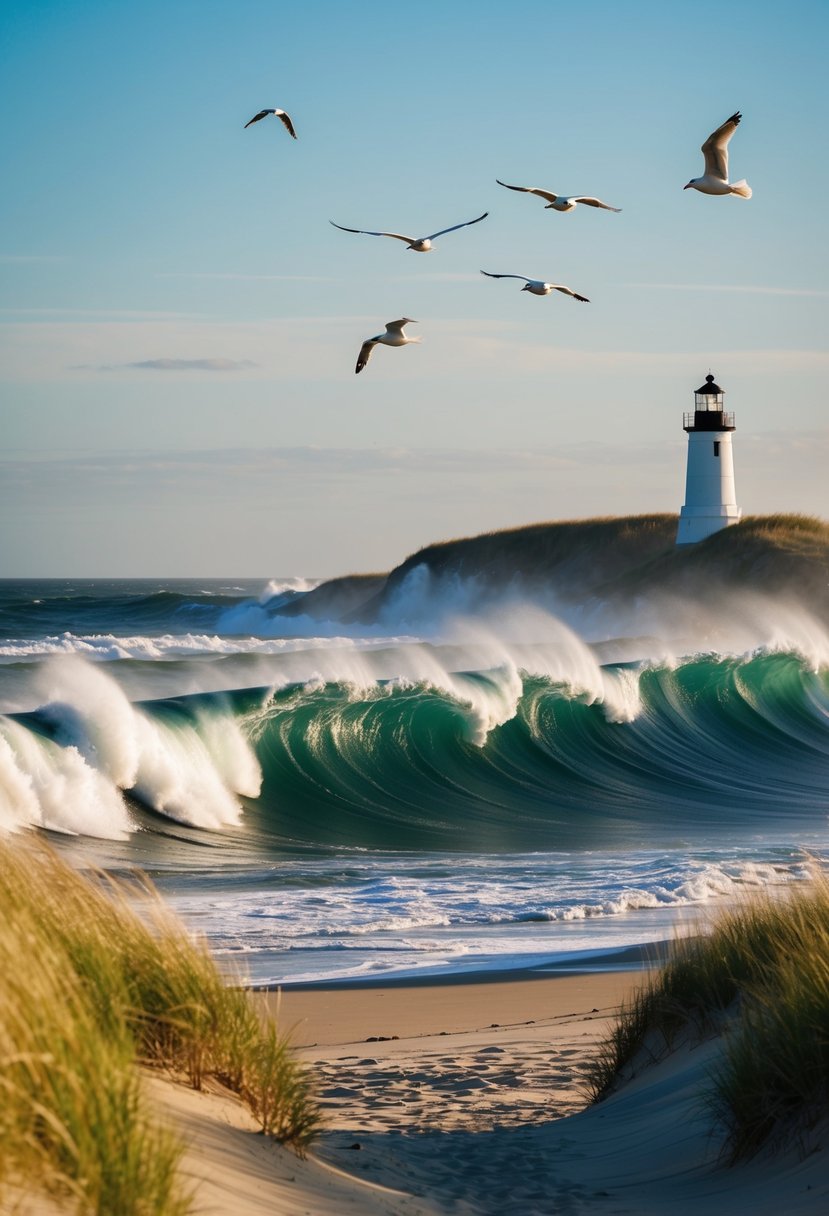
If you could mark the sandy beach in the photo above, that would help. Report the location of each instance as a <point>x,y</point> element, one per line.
<point>468,1097</point>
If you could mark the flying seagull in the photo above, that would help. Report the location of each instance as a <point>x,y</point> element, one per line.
<point>561,202</point>
<point>393,336</point>
<point>420,244</point>
<point>280,114</point>
<point>715,150</point>
<point>537,287</point>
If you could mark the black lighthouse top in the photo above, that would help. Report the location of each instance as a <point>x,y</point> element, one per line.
<point>708,412</point>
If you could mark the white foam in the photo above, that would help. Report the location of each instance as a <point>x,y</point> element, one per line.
<point>279,587</point>
<point>190,771</point>
<point>177,778</point>
<point>19,806</point>
<point>90,712</point>
<point>399,915</point>
<point>45,785</point>
<point>109,647</point>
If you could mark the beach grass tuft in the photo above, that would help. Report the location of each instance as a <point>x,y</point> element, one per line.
<point>97,977</point>
<point>760,978</point>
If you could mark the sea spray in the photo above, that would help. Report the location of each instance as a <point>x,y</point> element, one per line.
<point>548,752</point>
<point>48,785</point>
<point>19,805</point>
<point>87,710</point>
<point>480,777</point>
<point>188,767</point>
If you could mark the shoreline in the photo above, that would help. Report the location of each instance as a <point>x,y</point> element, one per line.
<point>633,957</point>
<point>332,1016</point>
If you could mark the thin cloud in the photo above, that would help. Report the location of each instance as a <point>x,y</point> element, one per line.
<point>266,278</point>
<point>97,472</point>
<point>749,289</point>
<point>255,474</point>
<point>440,277</point>
<point>104,314</point>
<point>9,258</point>
<point>508,353</point>
<point>178,365</point>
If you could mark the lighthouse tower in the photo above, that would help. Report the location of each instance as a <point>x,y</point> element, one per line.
<point>710,497</point>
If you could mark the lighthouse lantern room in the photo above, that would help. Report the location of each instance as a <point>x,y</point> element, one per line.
<point>710,497</point>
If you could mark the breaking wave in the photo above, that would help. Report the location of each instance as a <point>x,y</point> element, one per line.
<point>555,751</point>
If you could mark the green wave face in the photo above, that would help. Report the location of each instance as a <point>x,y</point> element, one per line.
<point>486,761</point>
<point>712,745</point>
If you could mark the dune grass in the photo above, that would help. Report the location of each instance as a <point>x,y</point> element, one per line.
<point>586,551</point>
<point>613,557</point>
<point>89,989</point>
<point>761,979</point>
<point>628,556</point>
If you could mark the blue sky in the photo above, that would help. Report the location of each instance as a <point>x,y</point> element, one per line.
<point>179,322</point>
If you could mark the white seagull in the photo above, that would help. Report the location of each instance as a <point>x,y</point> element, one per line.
<point>537,287</point>
<point>715,150</point>
<point>393,336</point>
<point>280,114</point>
<point>561,202</point>
<point>420,244</point>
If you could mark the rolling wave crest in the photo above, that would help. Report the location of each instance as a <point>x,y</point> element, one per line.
<point>494,759</point>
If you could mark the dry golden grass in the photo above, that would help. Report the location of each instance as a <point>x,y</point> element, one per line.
<point>610,557</point>
<point>90,988</point>
<point>760,977</point>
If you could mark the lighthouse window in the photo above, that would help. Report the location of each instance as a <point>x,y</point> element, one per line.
<point>716,447</point>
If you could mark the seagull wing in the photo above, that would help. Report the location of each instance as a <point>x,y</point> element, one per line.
<point>506,276</point>
<point>365,232</point>
<point>365,351</point>
<point>454,227</point>
<point>286,122</point>
<point>258,117</point>
<point>396,327</point>
<point>568,292</point>
<point>594,202</point>
<point>551,198</point>
<point>715,148</point>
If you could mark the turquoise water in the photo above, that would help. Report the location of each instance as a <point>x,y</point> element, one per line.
<point>328,798</point>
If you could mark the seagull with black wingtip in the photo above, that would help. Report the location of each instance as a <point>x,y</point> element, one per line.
<point>280,114</point>
<point>393,336</point>
<point>538,287</point>
<point>715,150</point>
<point>561,202</point>
<point>420,244</point>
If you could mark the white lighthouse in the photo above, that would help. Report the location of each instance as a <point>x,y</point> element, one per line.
<point>710,497</point>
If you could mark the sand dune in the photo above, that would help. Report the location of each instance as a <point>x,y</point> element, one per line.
<point>477,1108</point>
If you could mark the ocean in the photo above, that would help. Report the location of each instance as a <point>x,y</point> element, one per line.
<point>442,790</point>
